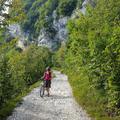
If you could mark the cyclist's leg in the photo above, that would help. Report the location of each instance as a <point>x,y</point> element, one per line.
<point>45,83</point>
<point>49,85</point>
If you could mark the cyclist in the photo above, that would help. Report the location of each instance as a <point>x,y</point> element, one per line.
<point>47,80</point>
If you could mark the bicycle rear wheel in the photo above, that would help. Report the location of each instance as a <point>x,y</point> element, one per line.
<point>42,91</point>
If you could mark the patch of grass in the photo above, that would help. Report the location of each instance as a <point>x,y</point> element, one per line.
<point>58,69</point>
<point>7,108</point>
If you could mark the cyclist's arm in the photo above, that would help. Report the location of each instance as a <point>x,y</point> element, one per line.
<point>43,76</point>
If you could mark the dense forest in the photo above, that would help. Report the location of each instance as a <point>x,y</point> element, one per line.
<point>90,57</point>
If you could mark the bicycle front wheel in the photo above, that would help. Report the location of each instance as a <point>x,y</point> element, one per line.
<point>41,91</point>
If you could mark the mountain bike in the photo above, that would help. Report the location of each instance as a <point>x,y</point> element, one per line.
<point>42,88</point>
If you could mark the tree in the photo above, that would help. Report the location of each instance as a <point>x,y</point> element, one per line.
<point>93,49</point>
<point>66,7</point>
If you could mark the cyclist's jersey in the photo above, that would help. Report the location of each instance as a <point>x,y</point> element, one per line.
<point>47,76</point>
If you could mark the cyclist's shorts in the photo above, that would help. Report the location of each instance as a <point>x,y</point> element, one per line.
<point>47,83</point>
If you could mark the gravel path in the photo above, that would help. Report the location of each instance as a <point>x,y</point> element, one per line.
<point>59,106</point>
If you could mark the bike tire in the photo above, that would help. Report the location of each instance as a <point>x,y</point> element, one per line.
<point>41,91</point>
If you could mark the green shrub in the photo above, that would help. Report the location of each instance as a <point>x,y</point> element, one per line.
<point>19,70</point>
<point>92,59</point>
<point>66,7</point>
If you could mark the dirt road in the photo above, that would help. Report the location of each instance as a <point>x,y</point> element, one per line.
<point>59,106</point>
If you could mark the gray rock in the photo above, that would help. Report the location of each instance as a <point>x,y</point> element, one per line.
<point>16,32</point>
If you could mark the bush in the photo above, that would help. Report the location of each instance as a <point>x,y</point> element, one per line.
<point>66,7</point>
<point>19,70</point>
<point>92,56</point>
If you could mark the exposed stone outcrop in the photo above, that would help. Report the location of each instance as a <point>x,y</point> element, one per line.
<point>16,32</point>
<point>59,25</point>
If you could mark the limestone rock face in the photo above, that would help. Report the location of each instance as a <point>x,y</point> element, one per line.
<point>58,24</point>
<point>60,27</point>
<point>16,32</point>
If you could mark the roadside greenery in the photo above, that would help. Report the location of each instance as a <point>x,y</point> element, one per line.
<point>19,70</point>
<point>92,59</point>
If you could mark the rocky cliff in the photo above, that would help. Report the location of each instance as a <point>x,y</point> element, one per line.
<point>58,24</point>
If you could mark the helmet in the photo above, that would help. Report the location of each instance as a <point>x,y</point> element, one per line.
<point>48,68</point>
